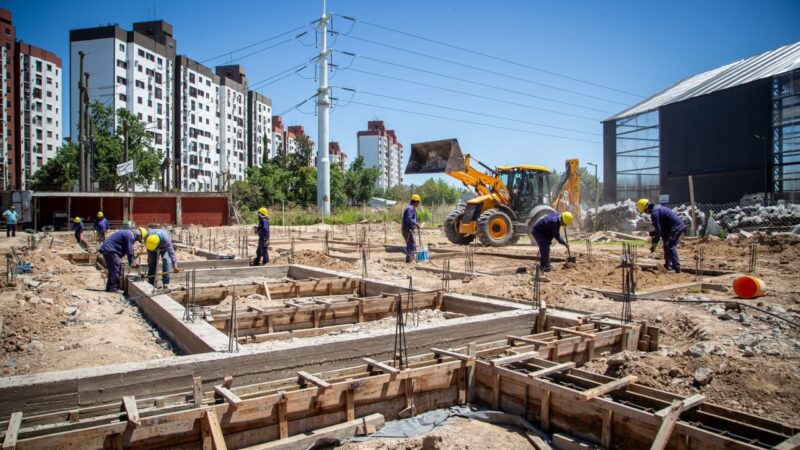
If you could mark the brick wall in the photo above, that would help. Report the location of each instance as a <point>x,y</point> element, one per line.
<point>154,210</point>
<point>208,212</point>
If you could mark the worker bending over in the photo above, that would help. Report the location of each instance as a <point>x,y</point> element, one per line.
<point>159,245</point>
<point>262,250</point>
<point>115,247</point>
<point>409,224</point>
<point>544,231</point>
<point>101,227</point>
<point>77,227</point>
<point>667,226</point>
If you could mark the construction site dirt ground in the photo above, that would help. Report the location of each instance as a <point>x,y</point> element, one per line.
<point>746,360</point>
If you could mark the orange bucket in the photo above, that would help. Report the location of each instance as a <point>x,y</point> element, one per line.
<point>749,287</point>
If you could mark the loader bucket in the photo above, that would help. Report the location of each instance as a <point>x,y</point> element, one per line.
<point>435,157</point>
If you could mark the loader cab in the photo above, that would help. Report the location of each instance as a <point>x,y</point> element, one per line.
<point>529,186</point>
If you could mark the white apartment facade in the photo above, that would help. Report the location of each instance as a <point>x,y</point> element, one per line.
<point>380,148</point>
<point>132,70</point>
<point>259,136</point>
<point>233,122</point>
<point>197,127</point>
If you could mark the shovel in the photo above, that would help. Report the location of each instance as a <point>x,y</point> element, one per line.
<point>571,261</point>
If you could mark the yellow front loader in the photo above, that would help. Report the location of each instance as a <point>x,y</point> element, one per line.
<point>508,201</point>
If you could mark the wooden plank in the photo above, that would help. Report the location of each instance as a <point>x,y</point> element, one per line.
<point>197,390</point>
<point>350,404</point>
<point>551,370</point>
<point>496,391</point>
<point>793,443</point>
<point>338,432</point>
<point>229,396</point>
<point>257,309</point>
<point>472,350</point>
<point>544,411</point>
<point>12,432</point>
<point>131,410</point>
<point>514,358</point>
<point>439,352</point>
<point>608,387</point>
<point>307,377</point>
<point>564,442</point>
<point>536,342</point>
<point>606,436</point>
<point>665,430</point>
<point>283,425</point>
<point>688,403</point>
<point>378,365</point>
<point>582,334</point>
<point>214,430</point>
<point>266,291</point>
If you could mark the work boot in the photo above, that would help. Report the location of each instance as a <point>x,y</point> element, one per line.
<point>547,268</point>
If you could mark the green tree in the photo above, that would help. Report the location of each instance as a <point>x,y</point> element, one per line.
<point>589,186</point>
<point>338,195</point>
<point>60,173</point>
<point>435,192</point>
<point>359,182</point>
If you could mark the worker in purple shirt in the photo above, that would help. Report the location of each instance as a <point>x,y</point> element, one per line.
<point>262,249</point>
<point>544,231</point>
<point>408,226</point>
<point>101,227</point>
<point>667,226</point>
<point>159,245</point>
<point>115,247</point>
<point>77,227</point>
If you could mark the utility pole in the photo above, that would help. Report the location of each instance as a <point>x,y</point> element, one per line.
<point>87,164</point>
<point>125,159</point>
<point>81,157</point>
<point>323,108</point>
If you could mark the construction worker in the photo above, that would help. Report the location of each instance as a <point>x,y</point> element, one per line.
<point>115,247</point>
<point>101,227</point>
<point>159,245</point>
<point>11,216</point>
<point>262,250</point>
<point>77,227</point>
<point>409,224</point>
<point>667,226</point>
<point>544,231</point>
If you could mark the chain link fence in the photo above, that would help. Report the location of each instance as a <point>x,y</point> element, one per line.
<point>709,218</point>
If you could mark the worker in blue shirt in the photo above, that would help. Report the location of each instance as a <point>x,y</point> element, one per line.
<point>667,226</point>
<point>77,227</point>
<point>409,224</point>
<point>11,216</point>
<point>115,247</point>
<point>159,245</point>
<point>101,227</point>
<point>544,231</point>
<point>262,250</point>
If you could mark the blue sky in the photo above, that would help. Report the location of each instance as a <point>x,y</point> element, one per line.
<point>566,65</point>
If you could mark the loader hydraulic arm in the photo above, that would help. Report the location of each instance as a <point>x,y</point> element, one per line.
<point>567,195</point>
<point>484,184</point>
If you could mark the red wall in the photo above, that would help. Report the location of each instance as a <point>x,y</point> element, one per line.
<point>112,209</point>
<point>154,210</point>
<point>208,212</point>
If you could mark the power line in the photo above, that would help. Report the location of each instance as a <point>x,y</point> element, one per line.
<point>510,119</point>
<point>496,58</point>
<point>470,122</point>
<point>482,84</point>
<point>293,30</point>
<point>290,70</point>
<point>456,91</point>
<point>259,51</point>
<point>481,69</point>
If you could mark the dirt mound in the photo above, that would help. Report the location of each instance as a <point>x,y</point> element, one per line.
<point>314,259</point>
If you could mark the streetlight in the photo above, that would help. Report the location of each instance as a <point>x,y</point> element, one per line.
<point>596,185</point>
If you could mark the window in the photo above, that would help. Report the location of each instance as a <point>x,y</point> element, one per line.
<point>140,52</point>
<point>122,47</point>
<point>191,78</point>
<point>638,156</point>
<point>139,68</point>
<point>122,81</point>
<point>50,134</point>
<point>39,80</point>
<point>159,124</point>
<point>158,78</point>
<point>158,93</point>
<point>122,64</point>
<point>123,97</point>
<point>158,108</point>
<point>49,68</point>
<point>139,84</point>
<point>139,100</point>
<point>157,138</point>
<point>38,66</point>
<point>786,132</point>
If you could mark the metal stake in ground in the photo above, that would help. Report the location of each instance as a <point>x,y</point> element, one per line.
<point>469,259</point>
<point>628,281</point>
<point>753,258</point>
<point>446,275</point>
<point>400,355</point>
<point>537,292</point>
<point>233,329</point>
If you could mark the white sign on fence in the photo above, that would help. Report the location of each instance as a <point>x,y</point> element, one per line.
<point>125,168</point>
<point>663,198</point>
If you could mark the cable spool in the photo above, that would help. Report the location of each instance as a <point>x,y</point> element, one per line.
<point>749,287</point>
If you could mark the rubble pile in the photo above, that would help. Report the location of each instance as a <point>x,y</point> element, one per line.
<point>780,214</point>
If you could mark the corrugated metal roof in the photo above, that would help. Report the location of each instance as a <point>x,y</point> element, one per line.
<point>765,65</point>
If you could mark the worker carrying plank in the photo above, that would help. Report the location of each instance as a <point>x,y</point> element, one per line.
<point>667,226</point>
<point>544,231</point>
<point>409,224</point>
<point>159,245</point>
<point>101,226</point>
<point>115,247</point>
<point>262,230</point>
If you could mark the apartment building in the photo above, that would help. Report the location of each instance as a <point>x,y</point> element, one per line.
<point>336,155</point>
<point>233,122</point>
<point>259,136</point>
<point>380,148</point>
<point>133,70</point>
<point>197,128</point>
<point>30,107</point>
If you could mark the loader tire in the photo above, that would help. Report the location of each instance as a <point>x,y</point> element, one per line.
<point>495,228</point>
<point>450,228</point>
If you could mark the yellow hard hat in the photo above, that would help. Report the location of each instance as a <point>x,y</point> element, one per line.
<point>416,198</point>
<point>143,232</point>
<point>152,243</point>
<point>566,218</point>
<point>100,215</point>
<point>263,211</point>
<point>641,205</point>
<point>77,219</point>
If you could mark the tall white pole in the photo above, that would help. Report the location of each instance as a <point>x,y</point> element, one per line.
<point>323,111</point>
